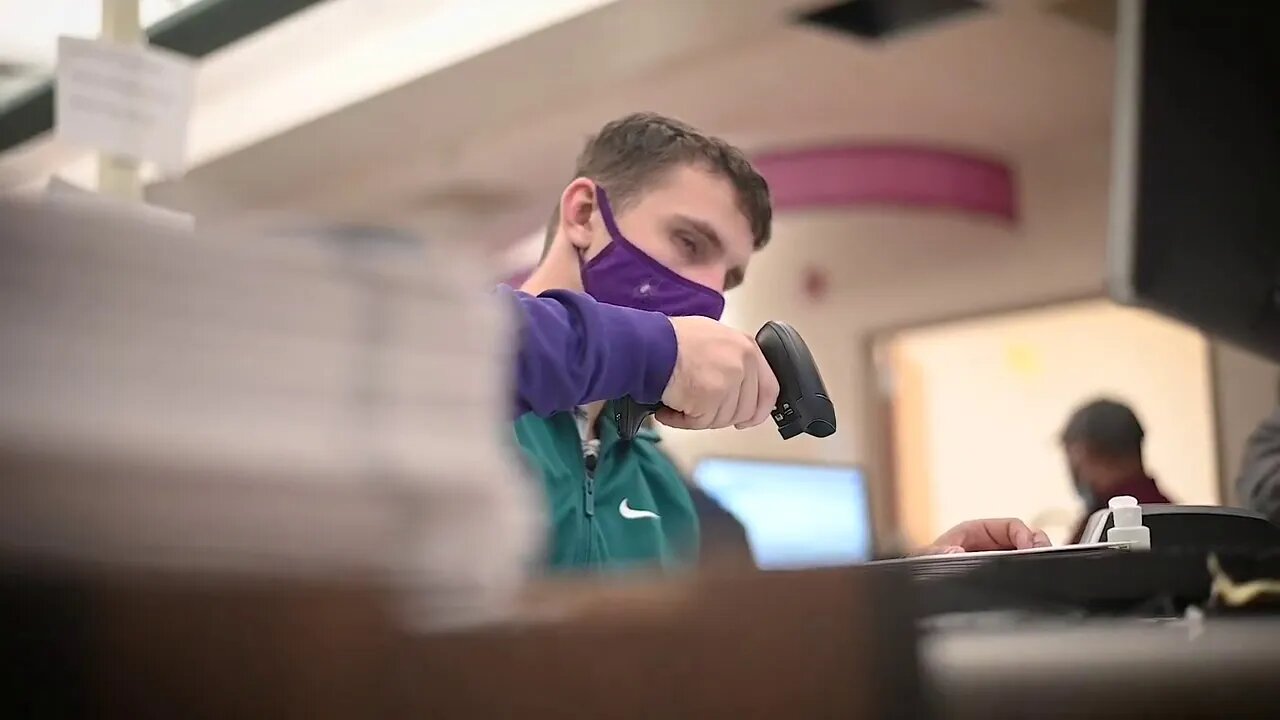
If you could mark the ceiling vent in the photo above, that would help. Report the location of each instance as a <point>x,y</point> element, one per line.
<point>884,19</point>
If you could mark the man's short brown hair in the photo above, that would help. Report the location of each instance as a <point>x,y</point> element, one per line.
<point>631,154</point>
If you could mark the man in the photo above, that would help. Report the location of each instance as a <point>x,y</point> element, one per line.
<point>1258,486</point>
<point>659,221</point>
<point>1103,444</point>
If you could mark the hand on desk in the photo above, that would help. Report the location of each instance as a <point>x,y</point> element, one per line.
<point>978,535</point>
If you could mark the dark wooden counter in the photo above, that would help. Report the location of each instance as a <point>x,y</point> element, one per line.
<point>813,644</point>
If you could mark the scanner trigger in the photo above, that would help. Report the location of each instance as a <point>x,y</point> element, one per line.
<point>629,416</point>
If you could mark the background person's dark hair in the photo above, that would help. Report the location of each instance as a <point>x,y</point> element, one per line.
<point>632,153</point>
<point>1105,426</point>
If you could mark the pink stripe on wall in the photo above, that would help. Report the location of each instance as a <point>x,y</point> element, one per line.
<point>889,175</point>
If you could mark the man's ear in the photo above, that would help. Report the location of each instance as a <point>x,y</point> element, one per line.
<point>577,206</point>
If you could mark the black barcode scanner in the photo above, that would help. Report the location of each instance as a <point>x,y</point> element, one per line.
<point>803,405</point>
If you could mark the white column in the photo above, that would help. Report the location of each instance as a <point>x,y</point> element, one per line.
<point>118,176</point>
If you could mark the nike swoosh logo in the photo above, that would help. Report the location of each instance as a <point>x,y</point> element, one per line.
<point>630,513</point>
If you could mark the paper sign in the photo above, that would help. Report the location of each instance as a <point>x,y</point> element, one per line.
<point>125,100</point>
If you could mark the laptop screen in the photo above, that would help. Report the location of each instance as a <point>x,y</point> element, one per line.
<point>795,515</point>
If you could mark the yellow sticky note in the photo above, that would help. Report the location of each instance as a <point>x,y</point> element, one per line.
<point>1023,360</point>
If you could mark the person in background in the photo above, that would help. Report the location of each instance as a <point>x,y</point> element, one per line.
<point>658,222</point>
<point>1258,486</point>
<point>1103,444</point>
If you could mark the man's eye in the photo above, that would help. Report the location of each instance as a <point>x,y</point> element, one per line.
<point>688,245</point>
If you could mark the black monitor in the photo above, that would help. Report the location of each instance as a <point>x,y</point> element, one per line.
<point>1195,225</point>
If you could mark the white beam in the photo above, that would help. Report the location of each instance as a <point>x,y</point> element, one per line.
<point>118,175</point>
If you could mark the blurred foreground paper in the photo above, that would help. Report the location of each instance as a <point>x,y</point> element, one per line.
<point>288,406</point>
<point>60,191</point>
<point>126,100</point>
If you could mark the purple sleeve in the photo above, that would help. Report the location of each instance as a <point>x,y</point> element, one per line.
<point>574,350</point>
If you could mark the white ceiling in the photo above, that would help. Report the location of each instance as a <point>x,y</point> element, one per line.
<point>480,147</point>
<point>332,55</point>
<point>407,154</point>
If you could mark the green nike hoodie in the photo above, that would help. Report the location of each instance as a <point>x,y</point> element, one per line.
<point>632,511</point>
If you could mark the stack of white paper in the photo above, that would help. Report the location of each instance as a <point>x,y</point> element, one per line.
<point>300,405</point>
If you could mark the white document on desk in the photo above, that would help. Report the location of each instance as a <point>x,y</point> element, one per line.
<point>950,564</point>
<point>1060,549</point>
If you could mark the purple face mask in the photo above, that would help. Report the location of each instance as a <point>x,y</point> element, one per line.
<point>622,274</point>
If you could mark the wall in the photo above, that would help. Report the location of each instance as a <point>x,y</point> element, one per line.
<point>1246,391</point>
<point>998,391</point>
<point>891,268</point>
